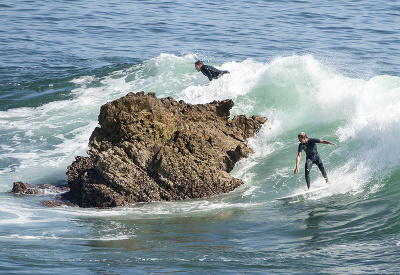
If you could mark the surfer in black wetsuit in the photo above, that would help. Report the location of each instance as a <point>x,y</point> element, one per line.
<point>309,145</point>
<point>210,72</point>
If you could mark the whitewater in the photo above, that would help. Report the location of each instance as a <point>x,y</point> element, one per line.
<point>295,93</point>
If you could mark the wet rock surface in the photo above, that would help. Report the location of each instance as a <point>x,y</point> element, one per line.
<point>22,188</point>
<point>148,149</point>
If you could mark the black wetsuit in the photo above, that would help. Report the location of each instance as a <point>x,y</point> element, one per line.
<point>211,72</point>
<point>310,147</point>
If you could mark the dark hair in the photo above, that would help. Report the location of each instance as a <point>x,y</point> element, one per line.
<point>198,62</point>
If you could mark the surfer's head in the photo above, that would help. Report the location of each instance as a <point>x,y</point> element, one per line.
<point>302,137</point>
<point>198,65</point>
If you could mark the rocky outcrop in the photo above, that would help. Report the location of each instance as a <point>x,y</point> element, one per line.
<point>148,149</point>
<point>22,188</point>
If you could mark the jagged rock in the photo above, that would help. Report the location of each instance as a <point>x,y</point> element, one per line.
<point>23,188</point>
<point>148,149</point>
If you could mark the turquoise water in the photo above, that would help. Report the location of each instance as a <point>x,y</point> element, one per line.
<point>328,68</point>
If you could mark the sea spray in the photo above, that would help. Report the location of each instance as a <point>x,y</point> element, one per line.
<point>296,93</point>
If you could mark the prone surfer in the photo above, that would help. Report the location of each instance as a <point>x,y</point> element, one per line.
<point>209,71</point>
<point>309,145</point>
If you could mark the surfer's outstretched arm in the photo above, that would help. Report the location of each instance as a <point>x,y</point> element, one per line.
<point>327,142</point>
<point>296,170</point>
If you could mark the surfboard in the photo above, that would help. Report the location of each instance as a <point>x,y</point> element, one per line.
<point>303,195</point>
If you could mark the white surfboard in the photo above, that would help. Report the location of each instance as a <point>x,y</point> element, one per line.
<point>303,195</point>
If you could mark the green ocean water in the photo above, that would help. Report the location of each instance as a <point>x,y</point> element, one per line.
<point>352,225</point>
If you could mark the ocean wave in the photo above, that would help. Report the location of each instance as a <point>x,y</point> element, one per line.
<point>296,93</point>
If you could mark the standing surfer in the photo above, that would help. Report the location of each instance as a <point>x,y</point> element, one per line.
<point>209,71</point>
<point>309,145</point>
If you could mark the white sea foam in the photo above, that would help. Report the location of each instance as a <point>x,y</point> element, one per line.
<point>295,93</point>
<point>20,214</point>
<point>44,236</point>
<point>374,124</point>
